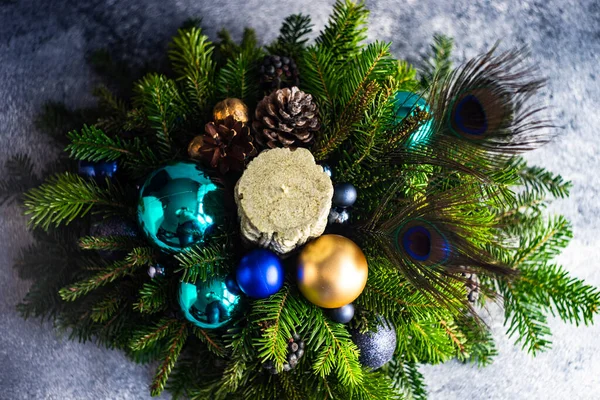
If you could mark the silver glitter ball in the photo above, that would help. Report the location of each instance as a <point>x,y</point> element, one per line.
<point>376,348</point>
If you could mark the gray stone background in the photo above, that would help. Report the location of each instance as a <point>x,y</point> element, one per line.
<point>43,45</point>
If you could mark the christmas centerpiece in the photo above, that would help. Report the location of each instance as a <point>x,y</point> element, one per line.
<point>302,221</point>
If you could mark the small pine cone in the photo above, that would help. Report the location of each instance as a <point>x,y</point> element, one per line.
<point>286,118</point>
<point>472,285</point>
<point>227,145</point>
<point>278,72</point>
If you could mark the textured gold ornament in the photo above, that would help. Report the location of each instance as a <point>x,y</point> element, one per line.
<point>332,271</point>
<point>195,146</point>
<point>231,107</point>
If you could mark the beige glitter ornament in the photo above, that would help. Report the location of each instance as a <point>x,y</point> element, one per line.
<point>283,199</point>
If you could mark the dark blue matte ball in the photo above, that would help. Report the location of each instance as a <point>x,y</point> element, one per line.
<point>97,170</point>
<point>343,314</point>
<point>232,285</point>
<point>260,274</point>
<point>344,194</point>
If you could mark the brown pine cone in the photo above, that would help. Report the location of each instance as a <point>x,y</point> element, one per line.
<point>286,118</point>
<point>227,145</point>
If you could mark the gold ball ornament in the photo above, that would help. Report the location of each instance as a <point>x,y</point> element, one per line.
<point>332,271</point>
<point>231,107</point>
<point>195,146</point>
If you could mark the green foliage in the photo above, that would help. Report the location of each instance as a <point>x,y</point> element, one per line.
<point>345,30</point>
<point>140,256</point>
<point>66,196</point>
<point>109,243</point>
<point>163,106</point>
<point>438,63</point>
<point>238,79</point>
<point>153,297</point>
<point>191,56</point>
<point>204,261</point>
<point>170,356</point>
<point>292,36</point>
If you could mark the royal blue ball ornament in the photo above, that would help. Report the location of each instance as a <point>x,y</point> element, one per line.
<point>260,274</point>
<point>97,170</point>
<point>178,206</point>
<point>207,304</point>
<point>405,104</point>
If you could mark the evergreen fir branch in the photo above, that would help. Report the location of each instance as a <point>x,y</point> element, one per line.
<point>538,180</point>
<point>280,314</point>
<point>151,335</point>
<point>191,56</point>
<point>544,244</point>
<point>110,243</point>
<point>407,379</point>
<point>20,177</point>
<point>238,79</point>
<point>320,77</point>
<point>137,257</point>
<point>292,36</point>
<point>212,342</point>
<point>527,320</point>
<point>153,297</point>
<point>203,261</point>
<point>345,30</point>
<point>114,108</point>
<point>375,385</point>
<point>171,355</point>
<point>92,144</point>
<point>334,350</point>
<point>438,62</point>
<point>106,308</point>
<point>479,346</point>
<point>356,92</point>
<point>163,106</point>
<point>67,196</point>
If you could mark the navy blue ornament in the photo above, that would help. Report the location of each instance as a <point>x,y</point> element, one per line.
<point>97,170</point>
<point>208,305</point>
<point>260,274</point>
<point>405,104</point>
<point>343,314</point>
<point>179,205</point>
<point>338,216</point>
<point>232,285</point>
<point>344,195</point>
<point>376,348</point>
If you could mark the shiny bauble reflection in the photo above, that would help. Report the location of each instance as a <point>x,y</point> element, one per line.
<point>332,271</point>
<point>209,304</point>
<point>178,205</point>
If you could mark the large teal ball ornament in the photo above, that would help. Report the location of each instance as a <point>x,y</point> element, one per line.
<point>404,105</point>
<point>208,305</point>
<point>178,205</point>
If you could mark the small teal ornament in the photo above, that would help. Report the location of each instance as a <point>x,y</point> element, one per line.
<point>178,205</point>
<point>260,274</point>
<point>208,305</point>
<point>404,105</point>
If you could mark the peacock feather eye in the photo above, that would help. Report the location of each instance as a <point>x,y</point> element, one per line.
<point>478,112</point>
<point>470,116</point>
<point>423,242</point>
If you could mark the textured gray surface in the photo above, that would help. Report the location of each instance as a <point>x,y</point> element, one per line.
<point>42,53</point>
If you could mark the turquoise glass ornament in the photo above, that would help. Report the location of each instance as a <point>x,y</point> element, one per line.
<point>209,304</point>
<point>404,105</point>
<point>178,205</point>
